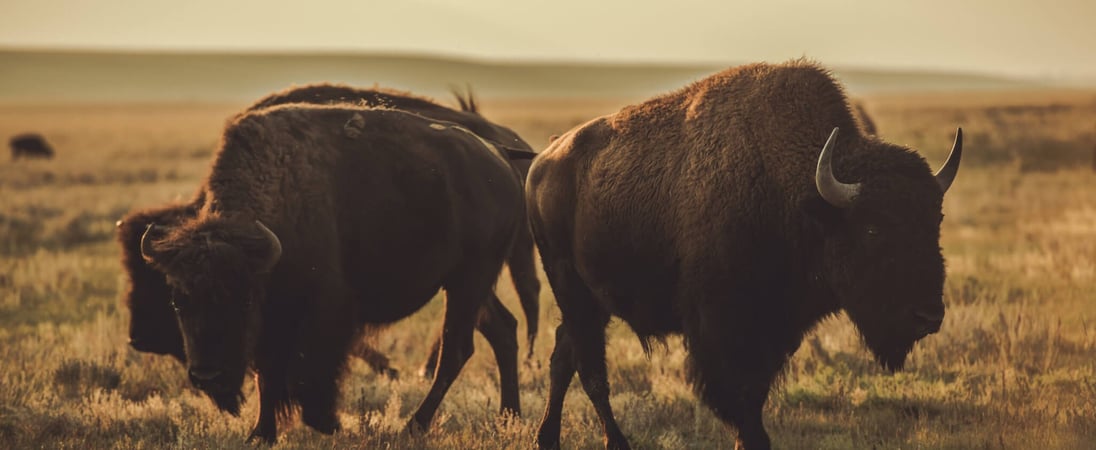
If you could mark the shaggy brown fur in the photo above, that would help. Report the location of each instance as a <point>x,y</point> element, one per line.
<point>521,259</point>
<point>29,145</point>
<point>696,213</point>
<point>152,326</point>
<point>377,215</point>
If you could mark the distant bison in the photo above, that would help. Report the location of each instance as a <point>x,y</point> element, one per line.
<point>30,145</point>
<point>152,323</point>
<point>716,212</point>
<point>295,251</point>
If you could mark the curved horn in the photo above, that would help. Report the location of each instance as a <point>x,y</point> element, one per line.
<point>835,192</point>
<point>275,246</point>
<point>946,175</point>
<point>146,243</point>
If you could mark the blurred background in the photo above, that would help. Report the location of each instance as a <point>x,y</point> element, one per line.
<point>211,50</point>
<point>130,98</point>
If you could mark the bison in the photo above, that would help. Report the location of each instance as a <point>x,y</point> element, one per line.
<point>29,145</point>
<point>716,212</point>
<point>294,252</point>
<point>152,324</point>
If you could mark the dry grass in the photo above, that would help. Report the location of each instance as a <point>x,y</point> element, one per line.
<point>1013,366</point>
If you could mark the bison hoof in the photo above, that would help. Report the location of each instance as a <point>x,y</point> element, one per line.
<point>325,425</point>
<point>414,428</point>
<point>547,443</point>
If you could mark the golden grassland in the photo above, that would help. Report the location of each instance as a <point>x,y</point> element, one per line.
<point>1014,365</point>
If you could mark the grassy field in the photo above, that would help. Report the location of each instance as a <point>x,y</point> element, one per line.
<point>1013,367</point>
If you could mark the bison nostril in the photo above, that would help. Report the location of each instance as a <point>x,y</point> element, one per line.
<point>204,374</point>
<point>930,321</point>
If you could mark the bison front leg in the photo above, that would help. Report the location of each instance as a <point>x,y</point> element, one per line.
<point>271,376</point>
<point>325,337</point>
<point>272,397</point>
<point>733,376</point>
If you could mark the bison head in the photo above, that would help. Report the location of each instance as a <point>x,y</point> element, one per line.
<point>217,270</point>
<point>152,325</point>
<point>881,254</point>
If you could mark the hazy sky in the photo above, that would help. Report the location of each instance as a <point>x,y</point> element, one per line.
<point>1043,38</point>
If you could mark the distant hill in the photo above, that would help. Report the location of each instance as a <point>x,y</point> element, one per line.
<point>35,76</point>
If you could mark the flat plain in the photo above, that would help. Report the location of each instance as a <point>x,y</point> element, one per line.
<point>1014,365</point>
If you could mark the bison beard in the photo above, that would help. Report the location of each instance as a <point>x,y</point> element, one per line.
<point>226,399</point>
<point>711,212</point>
<point>292,315</point>
<point>888,348</point>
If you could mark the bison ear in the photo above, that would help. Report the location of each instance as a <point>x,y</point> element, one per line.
<point>821,214</point>
<point>264,248</point>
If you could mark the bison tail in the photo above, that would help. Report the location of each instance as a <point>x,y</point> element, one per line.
<point>465,98</point>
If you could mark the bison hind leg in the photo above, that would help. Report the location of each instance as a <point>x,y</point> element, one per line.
<point>465,294</point>
<point>499,326</point>
<point>562,370</point>
<point>584,321</point>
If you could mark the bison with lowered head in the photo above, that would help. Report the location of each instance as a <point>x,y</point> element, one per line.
<point>29,145</point>
<point>734,213</point>
<point>152,321</point>
<point>318,221</point>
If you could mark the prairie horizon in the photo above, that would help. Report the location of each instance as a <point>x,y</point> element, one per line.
<point>82,76</point>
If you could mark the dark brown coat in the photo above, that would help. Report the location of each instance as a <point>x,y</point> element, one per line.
<point>697,213</point>
<point>29,145</point>
<point>294,252</point>
<point>152,326</point>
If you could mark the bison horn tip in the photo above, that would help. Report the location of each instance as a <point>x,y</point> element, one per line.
<point>946,175</point>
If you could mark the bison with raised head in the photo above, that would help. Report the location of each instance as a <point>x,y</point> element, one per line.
<point>320,221</point>
<point>152,323</point>
<point>723,213</point>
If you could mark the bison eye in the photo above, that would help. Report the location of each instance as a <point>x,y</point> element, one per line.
<point>871,230</point>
